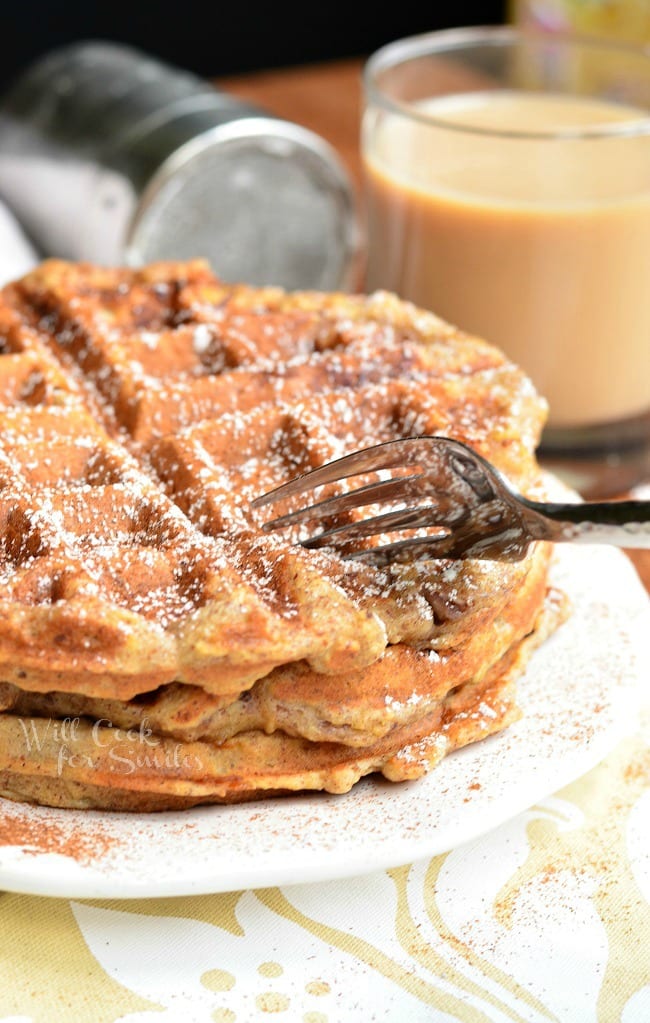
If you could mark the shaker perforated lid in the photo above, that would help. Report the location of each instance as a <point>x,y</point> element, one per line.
<point>264,200</point>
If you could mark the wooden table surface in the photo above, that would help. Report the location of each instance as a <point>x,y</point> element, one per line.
<point>327,98</point>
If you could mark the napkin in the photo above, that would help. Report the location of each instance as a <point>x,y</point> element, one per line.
<point>17,253</point>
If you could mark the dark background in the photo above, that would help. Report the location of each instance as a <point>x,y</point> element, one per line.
<point>217,38</point>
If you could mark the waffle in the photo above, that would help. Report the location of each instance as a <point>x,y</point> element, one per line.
<point>157,648</point>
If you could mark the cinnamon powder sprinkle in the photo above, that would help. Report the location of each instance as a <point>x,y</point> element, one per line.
<point>36,836</point>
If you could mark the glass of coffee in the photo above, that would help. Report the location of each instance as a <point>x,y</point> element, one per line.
<point>508,190</point>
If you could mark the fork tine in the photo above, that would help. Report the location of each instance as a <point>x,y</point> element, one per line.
<point>390,455</point>
<point>400,487</point>
<point>424,548</point>
<point>404,518</point>
<point>406,551</point>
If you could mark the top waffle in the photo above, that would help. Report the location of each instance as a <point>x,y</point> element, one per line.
<point>143,410</point>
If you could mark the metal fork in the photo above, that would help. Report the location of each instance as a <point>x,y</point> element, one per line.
<point>471,506</point>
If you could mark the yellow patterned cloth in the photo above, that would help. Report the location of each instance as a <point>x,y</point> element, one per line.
<point>545,919</point>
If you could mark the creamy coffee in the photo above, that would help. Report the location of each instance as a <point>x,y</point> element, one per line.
<point>524,218</point>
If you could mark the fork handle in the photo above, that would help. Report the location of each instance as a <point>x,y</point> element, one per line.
<point>621,523</point>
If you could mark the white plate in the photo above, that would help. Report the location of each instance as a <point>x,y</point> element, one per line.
<point>579,697</point>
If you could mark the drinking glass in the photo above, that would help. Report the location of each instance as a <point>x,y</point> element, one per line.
<point>507,179</point>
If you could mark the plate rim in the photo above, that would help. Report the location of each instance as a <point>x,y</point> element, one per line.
<point>23,870</point>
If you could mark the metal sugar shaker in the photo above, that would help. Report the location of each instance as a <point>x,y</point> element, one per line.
<point>111,156</point>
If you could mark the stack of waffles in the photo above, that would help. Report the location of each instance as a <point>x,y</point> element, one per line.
<point>157,648</point>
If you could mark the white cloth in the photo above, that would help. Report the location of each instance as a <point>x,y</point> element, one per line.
<point>17,254</point>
